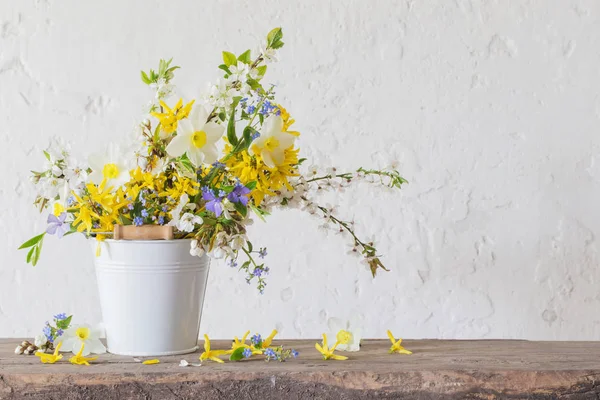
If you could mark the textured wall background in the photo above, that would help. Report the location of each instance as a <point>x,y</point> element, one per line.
<point>490,108</point>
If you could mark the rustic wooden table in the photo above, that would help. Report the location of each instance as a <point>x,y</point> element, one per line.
<point>438,369</point>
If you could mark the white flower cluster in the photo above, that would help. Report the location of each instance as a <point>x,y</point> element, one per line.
<point>221,94</point>
<point>62,175</point>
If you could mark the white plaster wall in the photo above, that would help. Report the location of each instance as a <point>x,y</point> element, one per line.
<point>490,108</point>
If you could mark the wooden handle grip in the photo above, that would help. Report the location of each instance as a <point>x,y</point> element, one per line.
<point>144,232</point>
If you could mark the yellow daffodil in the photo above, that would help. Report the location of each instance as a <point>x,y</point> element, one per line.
<point>170,118</point>
<point>196,137</point>
<point>78,359</point>
<point>272,142</point>
<point>50,358</point>
<point>328,352</point>
<point>397,345</point>
<point>211,354</point>
<point>151,362</point>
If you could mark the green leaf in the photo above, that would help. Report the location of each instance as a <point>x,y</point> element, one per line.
<point>249,247</point>
<point>260,213</point>
<point>29,254</point>
<point>225,68</point>
<point>47,156</point>
<point>64,324</point>
<point>300,161</point>
<point>245,57</point>
<point>274,36</point>
<point>229,58</point>
<point>33,241</point>
<point>251,185</point>
<point>145,78</point>
<point>262,70</point>
<point>35,255</point>
<point>231,136</point>
<point>277,45</point>
<point>254,84</point>
<point>237,355</point>
<point>241,209</point>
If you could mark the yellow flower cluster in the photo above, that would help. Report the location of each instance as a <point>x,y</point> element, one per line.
<point>171,116</point>
<point>100,207</point>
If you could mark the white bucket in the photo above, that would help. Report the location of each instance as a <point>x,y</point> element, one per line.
<point>151,295</point>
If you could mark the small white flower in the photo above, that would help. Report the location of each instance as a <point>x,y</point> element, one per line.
<point>163,90</point>
<point>254,73</point>
<point>176,211</point>
<point>188,221</point>
<point>221,94</point>
<point>238,241</point>
<point>313,171</point>
<point>238,72</point>
<point>269,55</point>
<point>221,252</point>
<point>196,249</point>
<point>40,340</point>
<point>183,363</point>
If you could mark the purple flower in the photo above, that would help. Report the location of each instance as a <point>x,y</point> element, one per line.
<point>256,339</point>
<point>257,272</point>
<point>138,221</point>
<point>59,332</point>
<point>161,220</point>
<point>262,253</point>
<point>270,353</point>
<point>47,331</point>
<point>60,316</point>
<point>144,213</point>
<point>57,225</point>
<point>251,109</point>
<point>213,202</point>
<point>247,353</point>
<point>232,263</point>
<point>218,164</point>
<point>239,194</point>
<point>295,353</point>
<point>130,206</point>
<point>255,135</point>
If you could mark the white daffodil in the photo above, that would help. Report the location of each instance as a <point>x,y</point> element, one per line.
<point>196,138</point>
<point>336,326</point>
<point>272,142</point>
<point>111,165</point>
<point>74,337</point>
<point>188,221</point>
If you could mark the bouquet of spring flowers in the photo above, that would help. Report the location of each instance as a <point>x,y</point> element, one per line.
<point>207,168</point>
